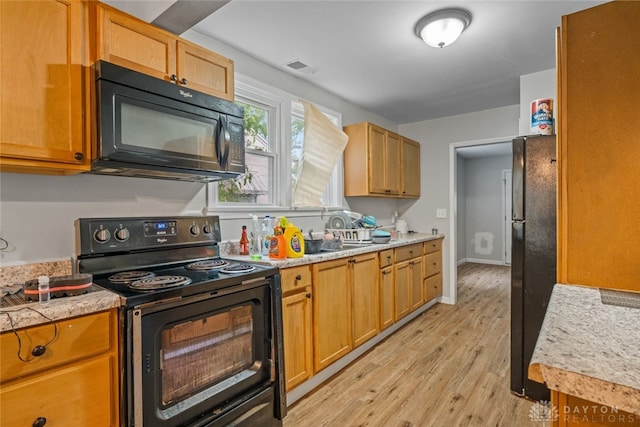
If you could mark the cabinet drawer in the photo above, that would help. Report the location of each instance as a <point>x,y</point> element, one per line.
<point>432,246</point>
<point>78,395</point>
<point>77,338</point>
<point>404,253</point>
<point>432,287</point>
<point>432,264</point>
<point>386,258</point>
<point>295,278</point>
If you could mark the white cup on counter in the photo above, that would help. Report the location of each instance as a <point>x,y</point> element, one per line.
<point>401,228</point>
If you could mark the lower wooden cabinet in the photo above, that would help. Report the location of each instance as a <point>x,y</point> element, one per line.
<point>408,279</point>
<point>297,325</point>
<point>332,307</point>
<point>432,269</point>
<point>576,412</point>
<point>365,297</point>
<point>73,383</point>
<point>387,289</point>
<point>332,337</point>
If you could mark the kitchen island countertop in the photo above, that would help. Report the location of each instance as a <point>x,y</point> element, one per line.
<point>589,349</point>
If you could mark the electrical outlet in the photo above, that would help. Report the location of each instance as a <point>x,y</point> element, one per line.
<point>441,213</point>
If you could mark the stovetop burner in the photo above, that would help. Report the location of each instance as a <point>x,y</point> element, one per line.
<point>126,277</point>
<point>209,264</point>
<point>238,268</point>
<point>159,282</point>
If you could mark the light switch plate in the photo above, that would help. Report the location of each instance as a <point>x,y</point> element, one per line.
<point>441,213</point>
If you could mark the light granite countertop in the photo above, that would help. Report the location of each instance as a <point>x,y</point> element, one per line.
<point>31,314</point>
<point>328,256</point>
<point>589,349</point>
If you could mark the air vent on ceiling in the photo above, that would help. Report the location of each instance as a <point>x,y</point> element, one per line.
<point>301,67</point>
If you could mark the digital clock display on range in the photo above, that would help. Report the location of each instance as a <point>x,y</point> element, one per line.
<point>159,228</point>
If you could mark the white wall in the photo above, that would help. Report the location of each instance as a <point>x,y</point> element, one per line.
<point>541,85</point>
<point>436,137</point>
<point>484,218</point>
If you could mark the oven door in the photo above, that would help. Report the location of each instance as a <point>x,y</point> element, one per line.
<point>195,362</point>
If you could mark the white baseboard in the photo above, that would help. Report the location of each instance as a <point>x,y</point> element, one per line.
<point>485,261</point>
<point>462,261</point>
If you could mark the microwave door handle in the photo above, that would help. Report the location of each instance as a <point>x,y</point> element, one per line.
<point>226,138</point>
<point>218,141</point>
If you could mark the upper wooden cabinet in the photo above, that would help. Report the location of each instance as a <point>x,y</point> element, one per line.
<point>43,67</point>
<point>129,42</point>
<point>410,178</point>
<point>378,162</point>
<point>599,149</point>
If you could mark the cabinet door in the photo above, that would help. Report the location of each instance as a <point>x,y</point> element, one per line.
<point>331,312</point>
<point>298,351</point>
<point>387,300</point>
<point>416,282</point>
<point>376,156</point>
<point>410,155</point>
<point>402,274</point>
<point>78,395</point>
<point>432,287</point>
<point>42,121</point>
<point>365,297</point>
<point>599,147</point>
<point>205,71</point>
<point>392,164</point>
<point>129,42</point>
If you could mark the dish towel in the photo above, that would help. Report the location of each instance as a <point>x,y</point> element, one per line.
<point>323,146</point>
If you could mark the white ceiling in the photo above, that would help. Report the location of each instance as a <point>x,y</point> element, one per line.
<point>366,52</point>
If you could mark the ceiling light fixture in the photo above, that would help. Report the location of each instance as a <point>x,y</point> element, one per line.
<point>443,27</point>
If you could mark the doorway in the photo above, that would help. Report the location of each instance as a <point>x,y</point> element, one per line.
<point>486,246</point>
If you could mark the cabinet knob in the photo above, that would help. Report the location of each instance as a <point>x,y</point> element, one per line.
<point>308,295</point>
<point>174,78</point>
<point>38,351</point>
<point>39,422</point>
<point>299,277</point>
<point>79,156</point>
<point>389,258</point>
<point>183,81</point>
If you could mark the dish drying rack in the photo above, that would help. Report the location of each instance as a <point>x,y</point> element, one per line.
<point>356,236</point>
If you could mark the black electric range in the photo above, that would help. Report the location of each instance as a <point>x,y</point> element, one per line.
<point>159,258</point>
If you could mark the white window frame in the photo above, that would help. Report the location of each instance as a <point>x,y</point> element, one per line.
<point>280,140</point>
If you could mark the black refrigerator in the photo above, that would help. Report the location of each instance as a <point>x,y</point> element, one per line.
<point>533,252</point>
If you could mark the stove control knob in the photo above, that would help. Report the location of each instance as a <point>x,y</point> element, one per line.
<point>206,229</point>
<point>194,230</point>
<point>122,234</point>
<point>102,235</point>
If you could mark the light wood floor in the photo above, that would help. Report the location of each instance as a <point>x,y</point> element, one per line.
<point>448,367</point>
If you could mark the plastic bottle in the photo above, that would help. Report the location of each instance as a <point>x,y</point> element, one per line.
<point>294,241</point>
<point>255,237</point>
<point>244,242</point>
<point>277,245</point>
<point>43,289</point>
<point>267,231</point>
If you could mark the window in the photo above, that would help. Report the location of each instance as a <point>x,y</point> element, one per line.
<point>274,138</point>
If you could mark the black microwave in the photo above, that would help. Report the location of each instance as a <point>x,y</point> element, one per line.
<point>151,128</point>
